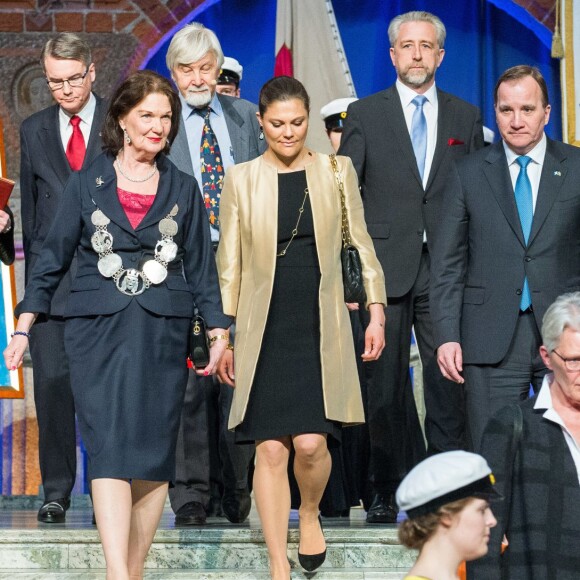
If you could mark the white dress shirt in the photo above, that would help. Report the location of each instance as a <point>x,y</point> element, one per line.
<point>544,401</point>
<point>534,169</point>
<point>87,114</point>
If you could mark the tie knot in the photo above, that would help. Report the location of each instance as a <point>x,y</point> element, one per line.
<point>523,161</point>
<point>419,101</point>
<point>75,121</point>
<point>203,112</point>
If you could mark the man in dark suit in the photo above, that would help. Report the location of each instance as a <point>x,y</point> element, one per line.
<point>55,142</point>
<point>509,244</point>
<point>402,142</point>
<point>195,58</point>
<point>533,451</point>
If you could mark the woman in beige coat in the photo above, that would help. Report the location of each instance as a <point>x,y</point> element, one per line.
<point>281,278</point>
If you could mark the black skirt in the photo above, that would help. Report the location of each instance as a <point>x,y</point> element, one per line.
<point>128,375</point>
<point>286,396</point>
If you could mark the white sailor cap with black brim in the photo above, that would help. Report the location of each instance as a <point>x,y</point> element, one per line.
<point>445,478</point>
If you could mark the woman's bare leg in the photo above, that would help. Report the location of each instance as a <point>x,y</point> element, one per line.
<point>312,465</point>
<point>272,494</point>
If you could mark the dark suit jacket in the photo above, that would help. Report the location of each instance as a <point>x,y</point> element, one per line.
<point>243,128</point>
<point>397,208</point>
<point>480,259</point>
<point>44,171</point>
<point>192,275</point>
<point>542,501</point>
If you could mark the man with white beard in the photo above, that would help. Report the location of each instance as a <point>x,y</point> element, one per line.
<point>216,132</point>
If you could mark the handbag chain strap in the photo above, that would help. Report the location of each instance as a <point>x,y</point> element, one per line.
<point>345,228</point>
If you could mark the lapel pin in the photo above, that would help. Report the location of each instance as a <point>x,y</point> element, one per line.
<point>99,181</point>
<point>558,173</point>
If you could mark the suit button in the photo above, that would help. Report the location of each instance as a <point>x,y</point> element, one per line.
<point>528,259</point>
<point>47,194</point>
<point>424,202</point>
<point>519,292</point>
<point>135,242</point>
<point>134,259</point>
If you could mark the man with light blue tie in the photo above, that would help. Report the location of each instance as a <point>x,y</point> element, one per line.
<point>402,142</point>
<point>509,246</point>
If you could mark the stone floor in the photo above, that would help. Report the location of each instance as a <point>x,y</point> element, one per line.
<point>219,550</point>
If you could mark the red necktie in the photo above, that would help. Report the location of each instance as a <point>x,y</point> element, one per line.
<point>76,148</point>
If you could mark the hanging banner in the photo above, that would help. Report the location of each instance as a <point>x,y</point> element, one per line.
<point>309,48</point>
<point>570,71</point>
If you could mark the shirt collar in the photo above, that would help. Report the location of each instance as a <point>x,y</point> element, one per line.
<point>407,95</point>
<point>544,398</point>
<point>214,105</point>
<point>537,154</point>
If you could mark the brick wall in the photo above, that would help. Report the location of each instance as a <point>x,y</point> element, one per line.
<point>121,33</point>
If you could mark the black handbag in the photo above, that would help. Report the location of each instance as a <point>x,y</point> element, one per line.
<point>352,279</point>
<point>198,342</point>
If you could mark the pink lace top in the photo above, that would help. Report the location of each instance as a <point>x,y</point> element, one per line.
<point>136,205</point>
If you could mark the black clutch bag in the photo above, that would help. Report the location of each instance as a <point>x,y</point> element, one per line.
<point>352,278</point>
<point>198,342</point>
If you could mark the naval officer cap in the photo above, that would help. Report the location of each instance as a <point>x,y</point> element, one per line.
<point>231,72</point>
<point>334,113</point>
<point>445,478</point>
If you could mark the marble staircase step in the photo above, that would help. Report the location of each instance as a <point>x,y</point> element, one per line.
<point>218,550</point>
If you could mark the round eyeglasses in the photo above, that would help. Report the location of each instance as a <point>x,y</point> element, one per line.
<point>571,364</point>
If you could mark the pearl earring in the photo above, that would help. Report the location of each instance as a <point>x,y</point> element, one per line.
<point>261,135</point>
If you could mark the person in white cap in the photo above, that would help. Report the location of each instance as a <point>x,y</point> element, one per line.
<point>333,114</point>
<point>446,498</point>
<point>228,82</point>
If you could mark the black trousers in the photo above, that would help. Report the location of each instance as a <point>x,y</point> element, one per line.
<point>55,409</point>
<point>488,388</point>
<point>395,433</point>
<point>208,461</point>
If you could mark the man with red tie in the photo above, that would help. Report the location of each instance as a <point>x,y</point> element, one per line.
<point>55,142</point>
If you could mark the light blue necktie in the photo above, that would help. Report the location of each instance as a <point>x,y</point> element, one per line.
<point>419,132</point>
<point>523,192</point>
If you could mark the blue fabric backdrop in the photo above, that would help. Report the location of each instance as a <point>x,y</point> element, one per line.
<point>484,37</point>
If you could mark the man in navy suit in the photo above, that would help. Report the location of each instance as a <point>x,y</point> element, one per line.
<point>195,58</point>
<point>55,142</point>
<point>402,142</point>
<point>509,246</point>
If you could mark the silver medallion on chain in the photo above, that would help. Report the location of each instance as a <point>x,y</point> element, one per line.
<point>132,281</point>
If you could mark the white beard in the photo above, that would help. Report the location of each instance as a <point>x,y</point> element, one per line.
<point>198,99</point>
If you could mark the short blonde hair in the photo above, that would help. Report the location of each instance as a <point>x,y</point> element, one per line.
<point>192,43</point>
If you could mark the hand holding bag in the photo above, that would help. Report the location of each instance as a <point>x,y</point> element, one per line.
<point>198,342</point>
<point>354,290</point>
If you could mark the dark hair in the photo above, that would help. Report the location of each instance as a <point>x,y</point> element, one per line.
<point>128,95</point>
<point>414,532</point>
<point>515,73</point>
<point>282,89</point>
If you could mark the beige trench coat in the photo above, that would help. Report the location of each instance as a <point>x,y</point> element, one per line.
<point>246,260</point>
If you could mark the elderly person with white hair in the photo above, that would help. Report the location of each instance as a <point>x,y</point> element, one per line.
<point>533,448</point>
<point>215,132</point>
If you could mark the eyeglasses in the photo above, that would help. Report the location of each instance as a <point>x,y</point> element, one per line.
<point>75,81</point>
<point>571,364</point>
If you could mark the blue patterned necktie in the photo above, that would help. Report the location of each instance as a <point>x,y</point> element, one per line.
<point>524,201</point>
<point>419,133</point>
<point>212,169</point>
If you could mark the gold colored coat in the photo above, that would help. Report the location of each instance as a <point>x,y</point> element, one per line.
<point>246,260</point>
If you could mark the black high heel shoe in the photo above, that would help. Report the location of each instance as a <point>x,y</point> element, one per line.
<point>311,562</point>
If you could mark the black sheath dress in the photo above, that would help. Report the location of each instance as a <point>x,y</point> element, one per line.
<point>286,396</point>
